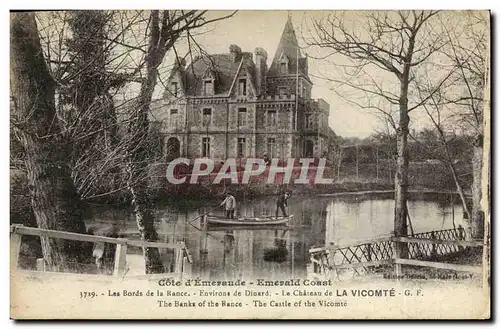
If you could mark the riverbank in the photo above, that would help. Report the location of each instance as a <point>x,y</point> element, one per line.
<point>423,178</point>
<point>342,189</point>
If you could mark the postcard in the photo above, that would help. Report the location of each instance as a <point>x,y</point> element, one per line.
<point>192,164</point>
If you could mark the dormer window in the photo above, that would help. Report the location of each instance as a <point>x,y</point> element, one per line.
<point>208,87</point>
<point>283,68</point>
<point>242,89</point>
<point>174,88</point>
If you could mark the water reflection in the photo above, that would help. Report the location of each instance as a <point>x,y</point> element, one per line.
<point>283,252</point>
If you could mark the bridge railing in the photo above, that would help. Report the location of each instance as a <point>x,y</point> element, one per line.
<point>182,263</point>
<point>425,248</point>
<point>372,255</point>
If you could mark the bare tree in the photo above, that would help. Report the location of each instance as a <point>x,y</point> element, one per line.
<point>388,44</point>
<point>129,50</point>
<point>437,115</point>
<point>164,30</point>
<point>469,49</point>
<point>338,158</point>
<point>54,198</point>
<point>459,103</point>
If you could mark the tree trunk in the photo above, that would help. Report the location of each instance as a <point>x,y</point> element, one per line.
<point>137,169</point>
<point>460,191</point>
<point>401,183</point>
<point>144,219</point>
<point>449,161</point>
<point>476,220</point>
<point>401,177</point>
<point>54,199</point>
<point>137,166</point>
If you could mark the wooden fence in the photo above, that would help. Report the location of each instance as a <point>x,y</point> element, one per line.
<point>378,254</point>
<point>182,265</point>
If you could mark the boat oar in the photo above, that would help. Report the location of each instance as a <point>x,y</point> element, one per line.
<point>192,220</point>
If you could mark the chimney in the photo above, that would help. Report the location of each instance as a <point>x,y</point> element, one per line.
<point>235,53</point>
<point>260,69</point>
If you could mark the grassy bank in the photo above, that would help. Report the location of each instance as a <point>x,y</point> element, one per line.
<point>350,178</point>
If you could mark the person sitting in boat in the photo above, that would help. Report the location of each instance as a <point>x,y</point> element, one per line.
<point>282,204</point>
<point>230,203</point>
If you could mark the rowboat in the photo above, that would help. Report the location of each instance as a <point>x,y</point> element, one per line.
<point>247,221</point>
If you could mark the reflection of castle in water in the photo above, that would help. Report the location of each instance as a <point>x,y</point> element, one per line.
<point>270,253</point>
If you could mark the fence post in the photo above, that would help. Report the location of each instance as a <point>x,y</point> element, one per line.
<point>179,261</point>
<point>15,247</point>
<point>395,256</point>
<point>461,236</point>
<point>433,248</point>
<point>120,258</point>
<point>204,236</point>
<point>369,252</point>
<point>186,266</point>
<point>40,264</point>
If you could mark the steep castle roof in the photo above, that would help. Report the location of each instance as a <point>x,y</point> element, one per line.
<point>288,48</point>
<point>222,67</point>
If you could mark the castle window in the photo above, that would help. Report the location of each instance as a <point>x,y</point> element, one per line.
<point>242,117</point>
<point>283,68</point>
<point>208,87</point>
<point>207,117</point>
<point>205,147</point>
<point>241,147</point>
<point>271,147</point>
<point>282,90</point>
<point>271,118</point>
<point>174,88</point>
<point>243,87</point>
<point>309,120</point>
<point>173,117</point>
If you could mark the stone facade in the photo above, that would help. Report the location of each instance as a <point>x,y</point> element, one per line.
<point>232,105</point>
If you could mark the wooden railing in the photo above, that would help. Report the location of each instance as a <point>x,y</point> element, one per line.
<point>182,264</point>
<point>372,255</point>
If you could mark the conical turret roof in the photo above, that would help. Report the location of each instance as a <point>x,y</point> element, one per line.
<point>288,47</point>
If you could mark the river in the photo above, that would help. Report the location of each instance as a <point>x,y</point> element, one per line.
<point>276,254</point>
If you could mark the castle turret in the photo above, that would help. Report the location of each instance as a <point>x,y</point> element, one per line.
<point>288,55</point>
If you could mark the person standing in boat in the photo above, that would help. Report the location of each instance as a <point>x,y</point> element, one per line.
<point>282,203</point>
<point>230,203</point>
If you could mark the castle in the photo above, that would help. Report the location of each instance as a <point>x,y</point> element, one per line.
<point>235,106</point>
